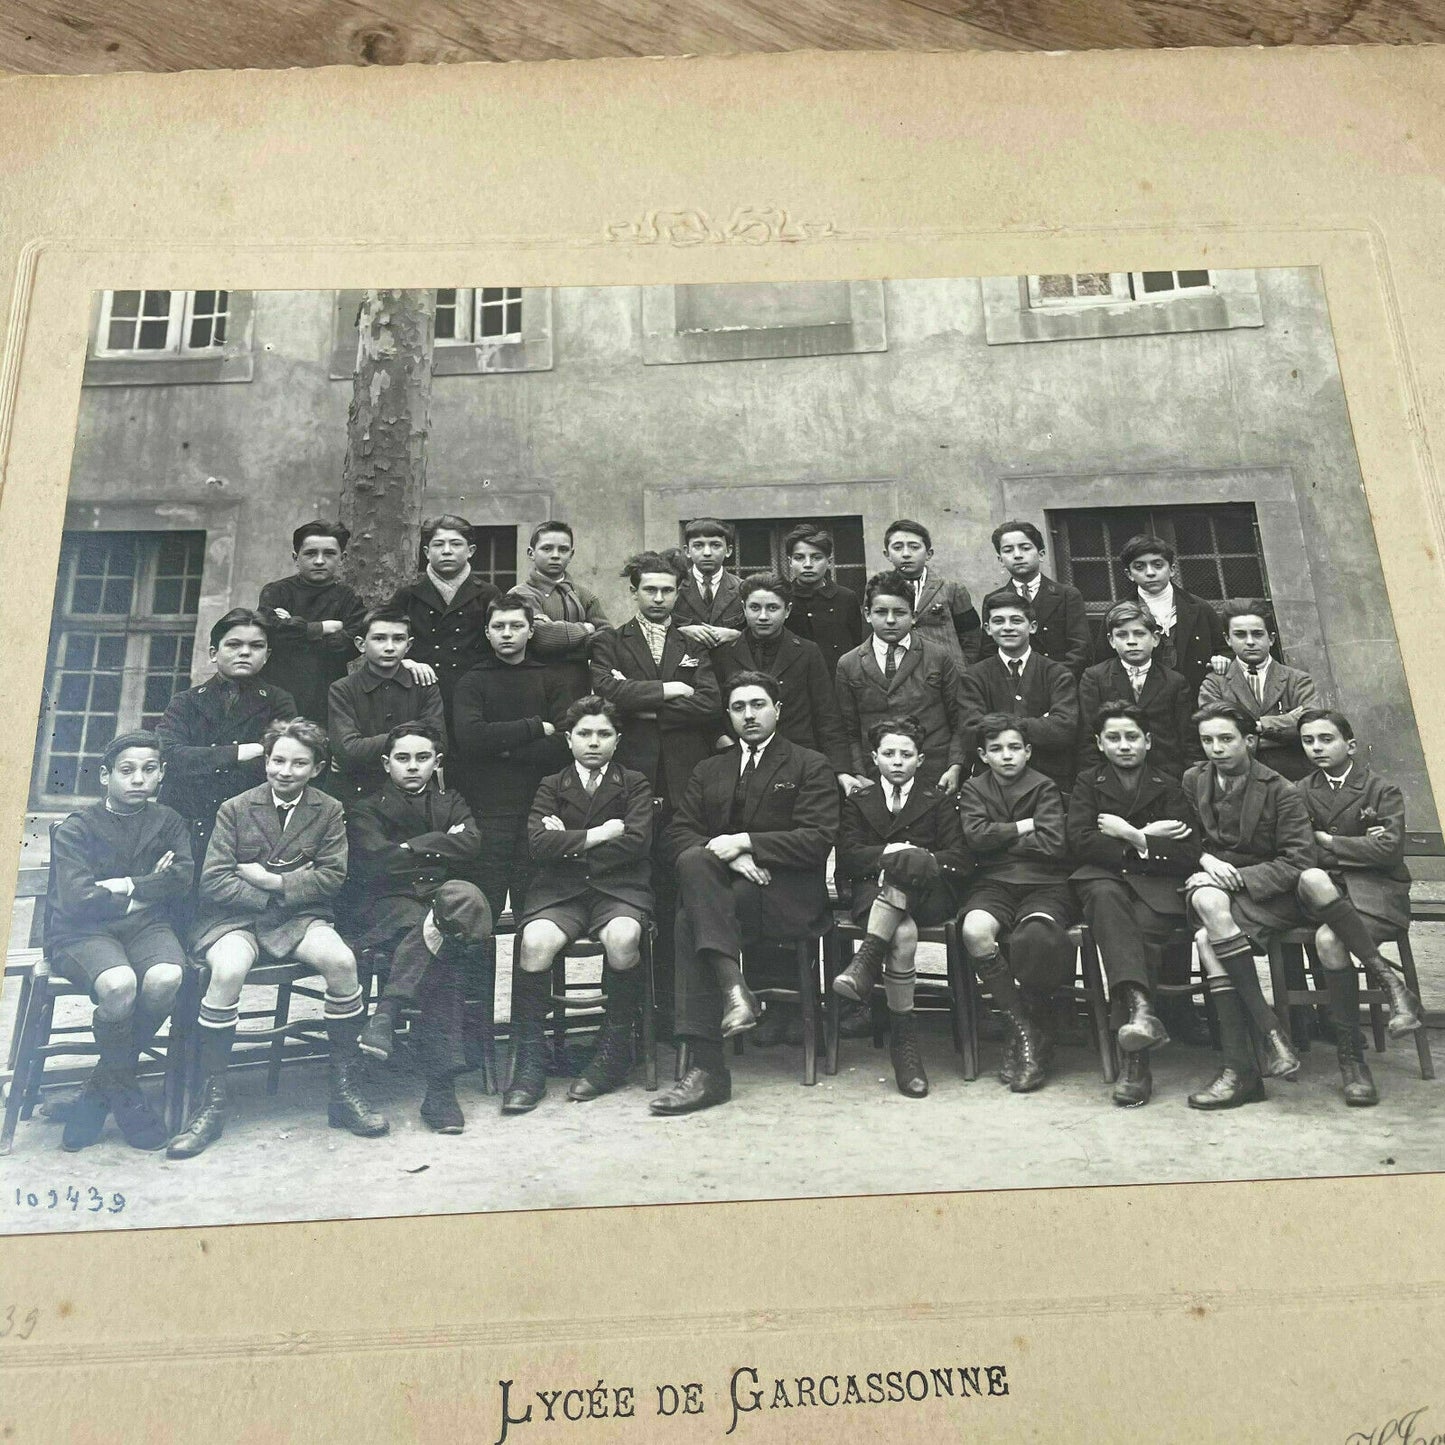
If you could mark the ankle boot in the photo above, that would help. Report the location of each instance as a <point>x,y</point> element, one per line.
<point>1237,1082</point>
<point>1136,1082</point>
<point>1143,1029</point>
<point>1030,1070</point>
<point>204,1126</point>
<point>610,1064</point>
<point>86,1115</point>
<point>1010,1066</point>
<point>907,1058</point>
<point>862,975</point>
<point>440,1110</point>
<point>1359,1085</point>
<point>1228,1090</point>
<point>1404,1014</point>
<point>348,1108</point>
<point>529,1068</point>
<point>376,1039</point>
<point>1280,1061</point>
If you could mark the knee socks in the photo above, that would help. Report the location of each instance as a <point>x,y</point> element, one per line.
<point>1234,1038</point>
<point>898,983</point>
<point>1344,990</point>
<point>218,1033</point>
<point>1349,927</point>
<point>1236,958</point>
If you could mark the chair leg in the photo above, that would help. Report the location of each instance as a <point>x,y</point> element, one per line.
<point>972,1003</point>
<point>649,1011</point>
<point>951,953</point>
<point>23,1053</point>
<point>832,1014</point>
<point>184,1013</point>
<point>1412,982</point>
<point>808,1001</point>
<point>1279,993</point>
<point>27,987</point>
<point>1098,1006</point>
<point>45,1009</point>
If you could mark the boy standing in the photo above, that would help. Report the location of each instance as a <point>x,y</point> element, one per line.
<point>1129,832</point>
<point>117,870</point>
<point>312,618</point>
<point>411,847</point>
<point>1273,694</point>
<point>1063,631</point>
<point>1013,824</point>
<point>943,610</point>
<point>1193,637</point>
<point>1039,692</point>
<point>211,733</point>
<point>709,610</point>
<point>365,705</point>
<point>568,614</point>
<point>590,828</point>
<point>895,672</point>
<point>276,861</point>
<point>824,611</point>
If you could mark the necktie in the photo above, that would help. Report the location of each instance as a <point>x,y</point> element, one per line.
<point>740,792</point>
<point>283,814</point>
<point>1136,679</point>
<point>571,607</point>
<point>708,593</point>
<point>895,798</point>
<point>890,662</point>
<point>594,779</point>
<point>1256,682</point>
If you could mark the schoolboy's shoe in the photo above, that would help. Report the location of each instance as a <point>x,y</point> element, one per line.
<point>85,1122</point>
<point>205,1125</point>
<point>140,1126</point>
<point>347,1108</point>
<point>440,1109</point>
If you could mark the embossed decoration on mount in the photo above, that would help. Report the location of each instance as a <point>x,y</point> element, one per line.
<point>747,225</point>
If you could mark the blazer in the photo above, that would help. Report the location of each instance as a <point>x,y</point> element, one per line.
<point>1287,693</point>
<point>791,817</point>
<point>1166,702</point>
<point>989,811</point>
<point>1373,869</point>
<point>726,609</point>
<point>928,820</point>
<point>665,740</point>
<point>1047,701</point>
<point>1063,630</point>
<point>389,887</point>
<point>622,868</point>
<point>449,636</point>
<point>199,739</point>
<point>926,685</point>
<point>304,660</point>
<point>945,616</point>
<point>1155,879</point>
<point>310,855</point>
<point>810,715</point>
<point>361,709</point>
<point>1197,635</point>
<point>1277,842</point>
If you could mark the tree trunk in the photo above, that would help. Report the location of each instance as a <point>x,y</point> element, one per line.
<point>383,480</point>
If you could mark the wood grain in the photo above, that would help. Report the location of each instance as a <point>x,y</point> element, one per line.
<point>80,36</point>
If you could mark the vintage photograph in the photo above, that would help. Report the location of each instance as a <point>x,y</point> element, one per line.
<point>509,748</point>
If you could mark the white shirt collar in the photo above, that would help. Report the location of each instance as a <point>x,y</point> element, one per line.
<point>1140,667</point>
<point>1261,668</point>
<point>904,792</point>
<point>1028,589</point>
<point>880,648</point>
<point>702,581</point>
<point>1027,653</point>
<point>584,773</point>
<point>282,803</point>
<point>756,752</point>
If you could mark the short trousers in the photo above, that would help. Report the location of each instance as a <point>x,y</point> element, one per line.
<point>139,948</point>
<point>1261,921</point>
<point>1010,902</point>
<point>584,916</point>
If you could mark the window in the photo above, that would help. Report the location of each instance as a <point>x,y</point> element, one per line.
<point>1102,288</point>
<point>760,547</point>
<point>482,313</point>
<point>120,646</point>
<point>495,559</point>
<point>1220,555</point>
<point>153,337</point>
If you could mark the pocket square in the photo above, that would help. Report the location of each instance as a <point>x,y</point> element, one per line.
<point>785,787</point>
<point>687,661</point>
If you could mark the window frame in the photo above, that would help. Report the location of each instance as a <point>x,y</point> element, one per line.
<point>232,361</point>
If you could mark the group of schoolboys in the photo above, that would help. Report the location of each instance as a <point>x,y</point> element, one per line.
<point>697,765</point>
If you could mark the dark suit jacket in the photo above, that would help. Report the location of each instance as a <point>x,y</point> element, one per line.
<point>664,740</point>
<point>304,660</point>
<point>926,685</point>
<point>310,856</point>
<point>199,739</point>
<point>1063,631</point>
<point>621,869</point>
<point>1287,693</point>
<point>1277,841</point>
<point>361,709</point>
<point>1047,701</point>
<point>1198,635</point>
<point>451,637</point>
<point>792,819</point>
<point>389,886</point>
<point>810,715</point>
<point>1155,879</point>
<point>928,820</point>
<point>1373,869</point>
<point>1166,702</point>
<point>726,609</point>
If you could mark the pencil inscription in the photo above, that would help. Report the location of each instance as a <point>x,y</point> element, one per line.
<point>747,225</point>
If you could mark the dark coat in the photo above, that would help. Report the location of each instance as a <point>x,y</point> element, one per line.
<point>1277,841</point>
<point>361,710</point>
<point>1047,700</point>
<point>1155,879</point>
<point>791,817</point>
<point>663,740</point>
<point>95,843</point>
<point>450,637</point>
<point>621,869</point>
<point>928,820</point>
<point>304,660</point>
<point>199,739</point>
<point>727,605</point>
<point>810,715</point>
<point>1063,626</point>
<point>501,749</point>
<point>1165,701</point>
<point>926,685</point>
<point>831,617</point>
<point>1373,869</point>
<point>990,810</point>
<point>388,886</point>
<point>1197,636</point>
<point>310,856</point>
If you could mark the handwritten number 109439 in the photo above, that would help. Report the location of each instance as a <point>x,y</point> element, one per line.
<point>87,1197</point>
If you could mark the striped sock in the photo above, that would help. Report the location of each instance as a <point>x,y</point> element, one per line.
<point>343,1005</point>
<point>898,986</point>
<point>219,1016</point>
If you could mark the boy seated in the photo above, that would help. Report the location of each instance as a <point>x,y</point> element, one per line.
<point>411,846</point>
<point>1015,678</point>
<point>895,672</point>
<point>590,830</point>
<point>901,849</point>
<point>118,868</point>
<point>1013,825</point>
<point>276,861</point>
<point>1063,625</point>
<point>1359,828</point>
<point>1256,839</point>
<point>366,705</point>
<point>1271,693</point>
<point>943,609</point>
<point>1128,831</point>
<point>312,617</point>
<point>1134,674</point>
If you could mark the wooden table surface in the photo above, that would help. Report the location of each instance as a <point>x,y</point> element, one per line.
<point>76,36</point>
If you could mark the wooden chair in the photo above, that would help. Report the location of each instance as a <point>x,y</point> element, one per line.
<point>1285,959</point>
<point>932,994</point>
